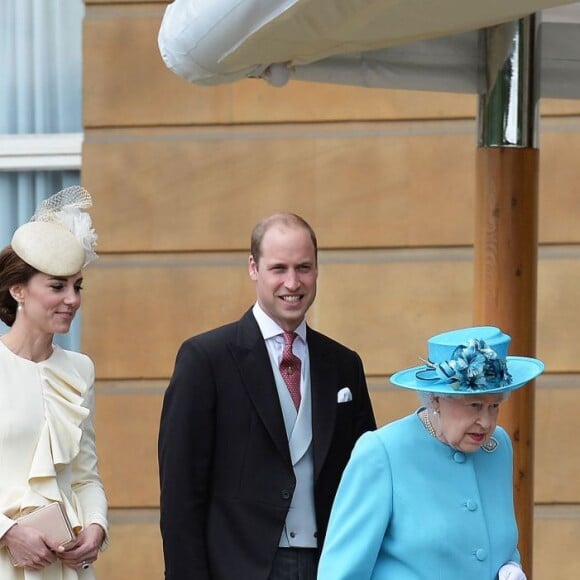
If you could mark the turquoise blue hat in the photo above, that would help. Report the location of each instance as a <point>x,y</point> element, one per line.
<point>470,361</point>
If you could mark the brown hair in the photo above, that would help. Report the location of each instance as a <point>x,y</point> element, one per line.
<point>13,270</point>
<point>286,219</point>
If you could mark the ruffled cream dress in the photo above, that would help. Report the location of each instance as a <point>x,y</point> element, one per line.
<point>47,448</point>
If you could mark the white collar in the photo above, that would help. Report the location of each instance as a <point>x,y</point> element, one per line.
<point>269,328</point>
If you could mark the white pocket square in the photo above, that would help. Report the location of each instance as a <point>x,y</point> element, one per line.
<point>344,395</point>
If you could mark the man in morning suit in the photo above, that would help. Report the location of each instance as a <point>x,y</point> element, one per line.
<point>258,423</point>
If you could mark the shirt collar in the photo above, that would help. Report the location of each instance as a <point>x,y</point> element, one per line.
<point>269,328</point>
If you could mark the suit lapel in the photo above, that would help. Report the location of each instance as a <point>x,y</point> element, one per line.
<point>323,392</point>
<point>252,357</point>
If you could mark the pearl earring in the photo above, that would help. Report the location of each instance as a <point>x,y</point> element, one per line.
<point>18,302</point>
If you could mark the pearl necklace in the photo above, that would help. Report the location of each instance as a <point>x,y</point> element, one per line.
<point>428,425</point>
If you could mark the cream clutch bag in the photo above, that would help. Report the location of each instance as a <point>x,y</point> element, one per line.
<point>51,520</point>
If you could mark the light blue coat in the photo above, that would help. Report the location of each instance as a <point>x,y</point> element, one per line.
<point>412,508</point>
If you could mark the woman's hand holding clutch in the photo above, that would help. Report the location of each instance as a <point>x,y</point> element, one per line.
<point>29,548</point>
<point>85,549</point>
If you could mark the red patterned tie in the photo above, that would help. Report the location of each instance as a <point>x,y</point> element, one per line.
<point>290,367</point>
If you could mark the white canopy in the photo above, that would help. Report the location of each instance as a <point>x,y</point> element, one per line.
<point>411,44</point>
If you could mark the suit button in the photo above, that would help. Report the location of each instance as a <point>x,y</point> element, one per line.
<point>458,457</point>
<point>285,494</point>
<point>481,554</point>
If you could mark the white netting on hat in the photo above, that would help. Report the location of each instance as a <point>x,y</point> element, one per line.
<point>74,197</point>
<point>64,208</point>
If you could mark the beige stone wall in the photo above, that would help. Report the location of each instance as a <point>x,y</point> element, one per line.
<point>181,173</point>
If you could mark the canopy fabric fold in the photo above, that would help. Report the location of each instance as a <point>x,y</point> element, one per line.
<point>416,44</point>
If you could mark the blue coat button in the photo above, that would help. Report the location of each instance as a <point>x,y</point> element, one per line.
<point>285,494</point>
<point>458,457</point>
<point>481,554</point>
<point>471,505</point>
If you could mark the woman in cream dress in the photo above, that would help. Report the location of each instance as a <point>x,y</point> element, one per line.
<point>47,440</point>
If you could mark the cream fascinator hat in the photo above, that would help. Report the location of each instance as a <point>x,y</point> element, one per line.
<point>470,361</point>
<point>59,239</point>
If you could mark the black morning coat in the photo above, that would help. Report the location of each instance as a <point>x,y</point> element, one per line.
<point>225,468</point>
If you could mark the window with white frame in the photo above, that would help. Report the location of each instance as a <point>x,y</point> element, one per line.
<point>40,109</point>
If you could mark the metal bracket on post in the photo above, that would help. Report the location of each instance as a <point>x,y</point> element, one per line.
<point>508,101</point>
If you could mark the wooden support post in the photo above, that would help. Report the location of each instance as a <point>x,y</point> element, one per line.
<point>506,242</point>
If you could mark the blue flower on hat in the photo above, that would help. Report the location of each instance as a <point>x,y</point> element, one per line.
<point>474,366</point>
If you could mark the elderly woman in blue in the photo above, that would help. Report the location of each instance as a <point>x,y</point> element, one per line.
<point>430,496</point>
